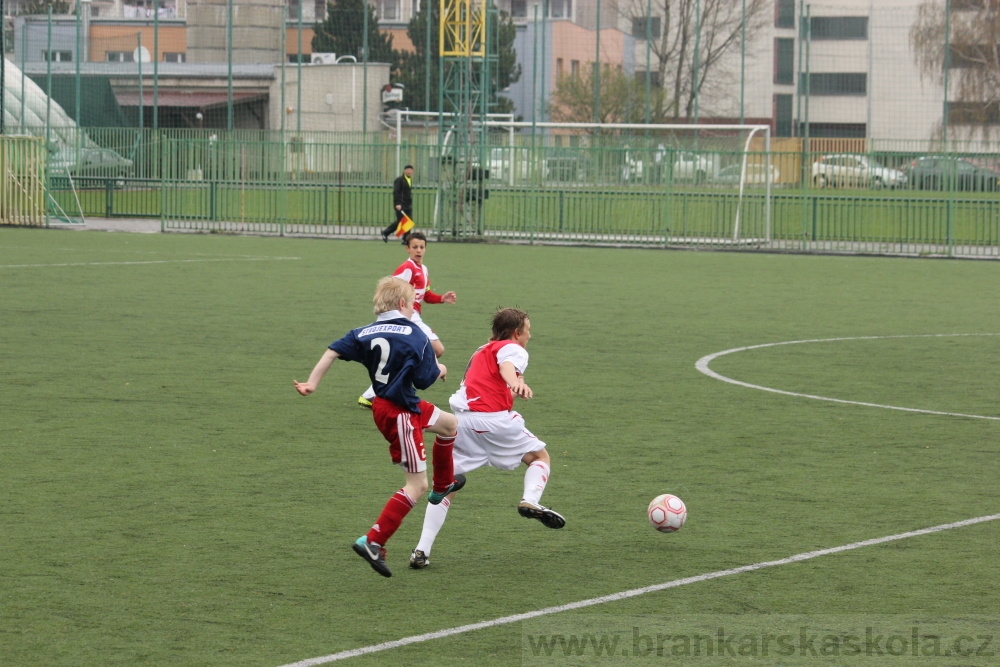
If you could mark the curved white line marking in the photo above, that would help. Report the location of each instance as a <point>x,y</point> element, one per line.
<point>624,595</point>
<point>702,365</point>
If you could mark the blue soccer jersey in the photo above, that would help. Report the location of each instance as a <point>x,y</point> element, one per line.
<point>397,354</point>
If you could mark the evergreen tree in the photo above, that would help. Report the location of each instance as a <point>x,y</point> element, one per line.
<point>343,33</point>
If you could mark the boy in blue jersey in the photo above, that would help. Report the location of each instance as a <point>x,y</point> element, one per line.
<point>400,359</point>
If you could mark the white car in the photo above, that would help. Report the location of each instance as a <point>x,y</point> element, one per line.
<point>509,164</point>
<point>851,170</point>
<point>686,166</point>
<point>755,174</point>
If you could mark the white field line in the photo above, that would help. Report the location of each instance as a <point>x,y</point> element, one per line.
<point>702,365</point>
<point>614,597</point>
<point>149,261</point>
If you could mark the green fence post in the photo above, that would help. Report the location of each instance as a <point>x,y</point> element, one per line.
<point>949,232</point>
<point>109,197</point>
<point>815,217</point>
<point>211,201</point>
<point>561,210</point>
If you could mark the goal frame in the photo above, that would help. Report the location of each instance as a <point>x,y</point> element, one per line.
<point>751,129</point>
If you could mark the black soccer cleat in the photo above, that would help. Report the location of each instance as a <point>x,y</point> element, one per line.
<point>374,554</point>
<point>548,518</point>
<point>419,560</point>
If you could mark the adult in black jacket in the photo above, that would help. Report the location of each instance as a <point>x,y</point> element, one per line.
<point>402,200</point>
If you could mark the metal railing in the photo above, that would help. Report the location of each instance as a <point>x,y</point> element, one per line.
<point>22,189</point>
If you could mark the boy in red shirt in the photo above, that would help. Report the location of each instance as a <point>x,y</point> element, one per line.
<point>416,273</point>
<point>490,432</point>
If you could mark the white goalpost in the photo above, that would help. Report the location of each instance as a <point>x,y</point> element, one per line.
<point>708,146</point>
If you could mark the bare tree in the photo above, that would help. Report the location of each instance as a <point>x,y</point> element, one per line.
<point>972,56</point>
<point>622,98</point>
<point>673,52</point>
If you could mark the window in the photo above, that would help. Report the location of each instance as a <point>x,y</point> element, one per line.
<point>834,83</point>
<point>574,68</point>
<point>639,26</point>
<point>294,58</point>
<point>784,61</point>
<point>559,68</point>
<point>784,14</point>
<point>838,27</point>
<point>782,115</point>
<point>57,56</point>
<point>837,130</point>
<point>959,5</point>
<point>120,57</point>
<point>970,56</point>
<point>654,78</point>
<point>519,9</point>
<point>389,10</point>
<point>175,57</point>
<point>560,9</point>
<point>974,113</point>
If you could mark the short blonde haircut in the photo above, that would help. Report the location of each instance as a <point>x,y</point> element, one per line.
<point>388,293</point>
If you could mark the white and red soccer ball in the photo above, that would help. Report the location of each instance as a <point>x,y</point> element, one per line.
<point>667,513</point>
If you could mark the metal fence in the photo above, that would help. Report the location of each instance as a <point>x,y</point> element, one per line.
<point>621,190</point>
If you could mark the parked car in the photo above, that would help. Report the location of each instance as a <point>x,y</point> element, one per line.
<point>509,164</point>
<point>661,163</point>
<point>859,171</point>
<point>565,165</point>
<point>88,161</point>
<point>756,174</point>
<point>942,172</point>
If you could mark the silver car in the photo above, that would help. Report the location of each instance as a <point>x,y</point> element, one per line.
<point>848,170</point>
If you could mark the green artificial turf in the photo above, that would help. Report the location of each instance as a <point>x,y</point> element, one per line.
<point>167,498</point>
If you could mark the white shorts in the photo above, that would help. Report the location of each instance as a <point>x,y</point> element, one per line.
<point>497,439</point>
<point>416,319</point>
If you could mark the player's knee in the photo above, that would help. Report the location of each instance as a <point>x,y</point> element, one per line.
<point>417,488</point>
<point>540,455</point>
<point>447,425</point>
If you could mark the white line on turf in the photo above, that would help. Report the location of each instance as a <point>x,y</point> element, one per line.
<point>149,261</point>
<point>702,365</point>
<point>614,597</point>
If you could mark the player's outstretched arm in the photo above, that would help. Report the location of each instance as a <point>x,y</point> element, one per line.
<point>514,381</point>
<point>322,366</point>
<point>448,297</point>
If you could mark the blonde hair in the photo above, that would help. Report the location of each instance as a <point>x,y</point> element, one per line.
<point>389,291</point>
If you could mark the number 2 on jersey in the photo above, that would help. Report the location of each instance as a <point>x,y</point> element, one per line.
<point>383,347</point>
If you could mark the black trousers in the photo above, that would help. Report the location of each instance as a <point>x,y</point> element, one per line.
<point>391,229</point>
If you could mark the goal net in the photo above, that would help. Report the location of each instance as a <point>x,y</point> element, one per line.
<point>701,184</point>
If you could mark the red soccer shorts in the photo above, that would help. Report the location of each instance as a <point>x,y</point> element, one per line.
<point>404,430</point>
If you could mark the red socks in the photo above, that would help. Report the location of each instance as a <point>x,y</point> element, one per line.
<point>444,465</point>
<point>391,517</point>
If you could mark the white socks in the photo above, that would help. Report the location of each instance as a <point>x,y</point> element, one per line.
<point>433,520</point>
<point>369,394</point>
<point>534,481</point>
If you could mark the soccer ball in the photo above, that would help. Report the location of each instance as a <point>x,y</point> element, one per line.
<point>667,513</point>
